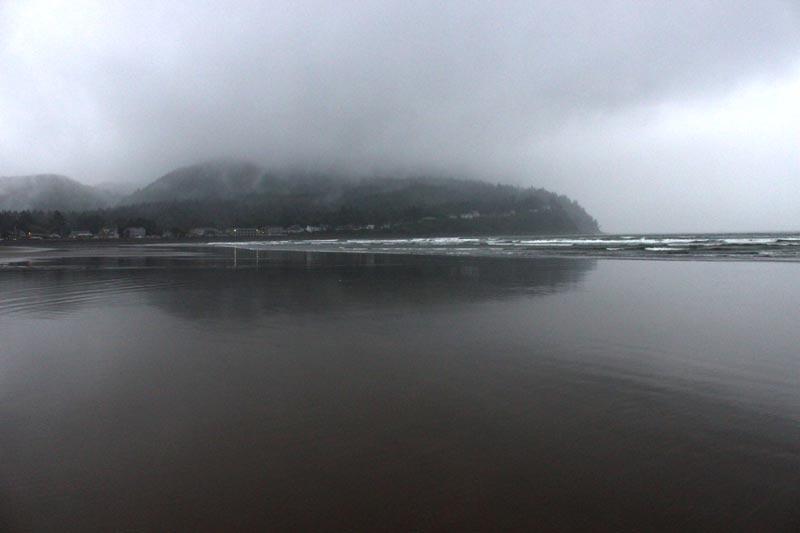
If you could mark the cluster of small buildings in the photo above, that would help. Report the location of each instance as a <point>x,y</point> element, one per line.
<point>244,233</point>
<point>33,236</point>
<point>84,234</point>
<point>108,234</point>
<point>274,231</point>
<point>202,232</point>
<point>283,231</point>
<point>105,234</point>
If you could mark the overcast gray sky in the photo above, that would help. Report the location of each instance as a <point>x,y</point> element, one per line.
<point>655,115</point>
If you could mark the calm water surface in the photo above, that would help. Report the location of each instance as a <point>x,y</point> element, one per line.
<point>190,390</point>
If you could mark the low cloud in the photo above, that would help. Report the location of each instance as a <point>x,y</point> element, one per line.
<point>624,105</point>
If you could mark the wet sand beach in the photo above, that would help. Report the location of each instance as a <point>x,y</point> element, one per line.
<point>209,389</point>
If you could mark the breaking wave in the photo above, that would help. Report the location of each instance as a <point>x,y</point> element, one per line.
<point>701,246</point>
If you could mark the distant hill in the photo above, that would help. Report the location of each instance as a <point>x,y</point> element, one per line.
<point>206,181</point>
<point>49,192</point>
<point>237,194</point>
<point>242,194</point>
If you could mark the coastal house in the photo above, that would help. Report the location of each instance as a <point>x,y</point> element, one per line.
<point>205,232</point>
<point>108,233</point>
<point>134,233</point>
<point>274,231</point>
<point>80,234</point>
<point>243,232</point>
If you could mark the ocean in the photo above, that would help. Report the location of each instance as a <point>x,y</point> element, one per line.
<point>749,246</point>
<point>501,383</point>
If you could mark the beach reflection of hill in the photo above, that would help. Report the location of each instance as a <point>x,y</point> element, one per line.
<point>323,282</point>
<point>226,284</point>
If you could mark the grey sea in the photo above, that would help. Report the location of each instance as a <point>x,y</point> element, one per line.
<point>402,384</point>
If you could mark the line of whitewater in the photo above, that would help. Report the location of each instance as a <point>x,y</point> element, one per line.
<point>760,247</point>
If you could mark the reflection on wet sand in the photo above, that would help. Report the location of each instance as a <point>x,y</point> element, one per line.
<point>291,391</point>
<point>245,284</point>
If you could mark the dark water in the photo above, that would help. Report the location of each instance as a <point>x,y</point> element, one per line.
<point>309,391</point>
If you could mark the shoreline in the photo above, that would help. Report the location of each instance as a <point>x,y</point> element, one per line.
<point>23,254</point>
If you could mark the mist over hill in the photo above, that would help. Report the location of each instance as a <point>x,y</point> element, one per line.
<point>49,192</point>
<point>242,194</point>
<point>205,181</point>
<point>238,194</point>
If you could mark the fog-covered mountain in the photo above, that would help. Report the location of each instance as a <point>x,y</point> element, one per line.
<point>230,194</point>
<point>205,181</point>
<point>236,193</point>
<point>49,192</point>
